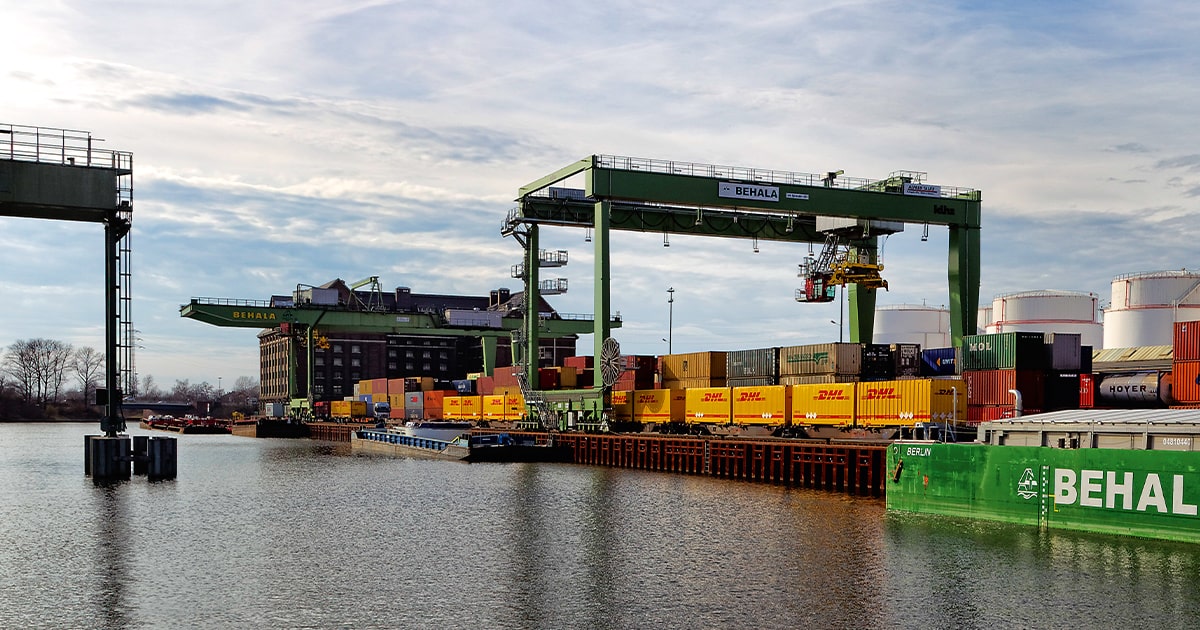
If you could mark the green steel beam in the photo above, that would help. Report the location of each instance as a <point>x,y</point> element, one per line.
<point>532,301</point>
<point>558,175</point>
<point>242,316</point>
<point>602,298</point>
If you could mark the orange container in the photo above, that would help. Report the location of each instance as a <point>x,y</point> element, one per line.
<point>1187,341</point>
<point>1185,382</point>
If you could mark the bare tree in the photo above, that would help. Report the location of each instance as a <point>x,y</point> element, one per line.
<point>150,389</point>
<point>88,364</point>
<point>38,368</point>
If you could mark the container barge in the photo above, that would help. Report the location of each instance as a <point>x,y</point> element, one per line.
<point>421,440</point>
<point>1131,472</point>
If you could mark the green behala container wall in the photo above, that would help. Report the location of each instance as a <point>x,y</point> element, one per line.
<point>1017,484</point>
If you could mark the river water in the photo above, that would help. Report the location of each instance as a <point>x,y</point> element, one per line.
<point>260,533</point>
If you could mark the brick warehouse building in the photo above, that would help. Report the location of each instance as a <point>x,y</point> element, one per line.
<point>341,359</point>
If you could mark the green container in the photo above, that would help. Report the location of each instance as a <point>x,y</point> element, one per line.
<point>1004,351</point>
<point>1147,493</point>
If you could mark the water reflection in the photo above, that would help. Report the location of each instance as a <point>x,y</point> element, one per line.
<point>112,558</point>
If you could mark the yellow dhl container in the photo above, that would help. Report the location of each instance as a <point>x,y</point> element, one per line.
<point>514,406</point>
<point>347,409</point>
<point>762,404</point>
<point>693,365</point>
<point>452,407</point>
<point>492,407</point>
<point>658,406</point>
<point>824,403</point>
<point>901,403</point>
<point>708,405</point>
<point>472,407</point>
<point>622,405</point>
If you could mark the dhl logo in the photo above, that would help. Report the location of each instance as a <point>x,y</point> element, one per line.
<point>713,397</point>
<point>945,391</point>
<point>816,358</point>
<point>831,394</point>
<point>881,393</point>
<point>750,397</point>
<point>647,398</point>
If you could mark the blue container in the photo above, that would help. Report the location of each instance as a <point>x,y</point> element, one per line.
<point>465,386</point>
<point>938,362</point>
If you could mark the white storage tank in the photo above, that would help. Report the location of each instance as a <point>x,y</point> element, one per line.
<point>1049,311</point>
<point>983,319</point>
<point>912,323</point>
<point>1146,305</point>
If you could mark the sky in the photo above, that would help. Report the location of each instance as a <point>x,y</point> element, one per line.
<point>282,143</point>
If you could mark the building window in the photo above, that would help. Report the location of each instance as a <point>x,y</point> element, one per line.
<point>337,348</point>
<point>319,361</point>
<point>337,361</point>
<point>354,349</point>
<point>391,365</point>
<point>354,362</point>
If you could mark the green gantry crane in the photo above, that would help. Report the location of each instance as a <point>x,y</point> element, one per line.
<point>303,319</point>
<point>647,195</point>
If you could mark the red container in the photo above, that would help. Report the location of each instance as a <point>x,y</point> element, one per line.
<point>1187,341</point>
<point>486,385</point>
<point>1087,391</point>
<point>990,387</point>
<point>505,376</point>
<point>579,363</point>
<point>1185,382</point>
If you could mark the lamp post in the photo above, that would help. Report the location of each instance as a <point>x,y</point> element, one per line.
<point>219,387</point>
<point>670,317</point>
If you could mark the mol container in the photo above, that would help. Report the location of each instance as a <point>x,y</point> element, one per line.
<point>708,405</point>
<point>769,405</point>
<point>824,404</point>
<point>820,358</point>
<point>658,406</point>
<point>903,402</point>
<point>693,365</point>
<point>622,405</point>
<point>1004,351</point>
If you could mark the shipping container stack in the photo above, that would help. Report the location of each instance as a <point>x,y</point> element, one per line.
<point>694,369</point>
<point>750,368</point>
<point>1045,368</point>
<point>1185,365</point>
<point>820,363</point>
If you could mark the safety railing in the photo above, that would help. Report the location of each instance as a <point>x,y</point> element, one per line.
<point>770,176</point>
<point>58,146</point>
